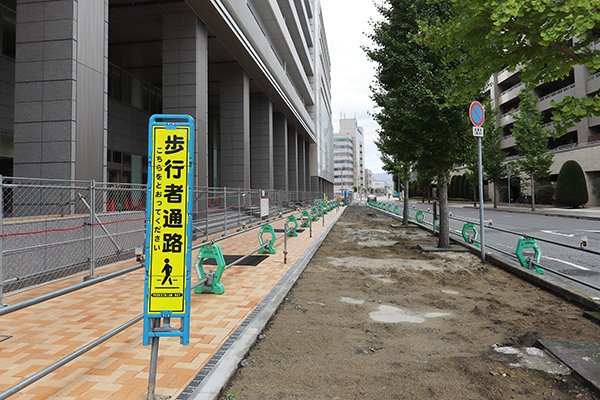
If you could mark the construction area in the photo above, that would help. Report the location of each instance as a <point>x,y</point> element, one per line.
<point>351,307</point>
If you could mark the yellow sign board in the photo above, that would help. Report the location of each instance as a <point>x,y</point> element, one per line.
<point>167,270</point>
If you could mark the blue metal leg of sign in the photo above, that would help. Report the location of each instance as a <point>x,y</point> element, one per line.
<point>169,226</point>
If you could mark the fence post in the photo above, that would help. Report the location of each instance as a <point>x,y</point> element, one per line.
<point>207,208</point>
<point>92,231</point>
<point>225,209</point>
<point>239,211</point>
<point>1,248</point>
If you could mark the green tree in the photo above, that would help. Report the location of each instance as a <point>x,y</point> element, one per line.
<point>412,83</point>
<point>390,164</point>
<point>531,141</point>
<point>533,36</point>
<point>571,188</point>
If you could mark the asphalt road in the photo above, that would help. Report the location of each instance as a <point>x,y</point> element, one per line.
<point>574,263</point>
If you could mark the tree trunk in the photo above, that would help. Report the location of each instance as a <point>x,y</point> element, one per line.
<point>444,235</point>
<point>532,193</point>
<point>495,194</point>
<point>405,207</point>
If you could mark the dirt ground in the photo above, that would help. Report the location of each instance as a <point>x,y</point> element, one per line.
<point>373,317</point>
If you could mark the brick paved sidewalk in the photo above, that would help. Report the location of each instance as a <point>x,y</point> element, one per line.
<point>40,335</point>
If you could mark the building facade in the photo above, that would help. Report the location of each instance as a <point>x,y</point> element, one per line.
<point>581,143</point>
<point>80,79</point>
<point>348,145</point>
<point>369,178</point>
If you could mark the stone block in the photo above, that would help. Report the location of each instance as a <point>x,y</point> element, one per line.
<point>59,90</point>
<point>28,112</point>
<point>59,50</point>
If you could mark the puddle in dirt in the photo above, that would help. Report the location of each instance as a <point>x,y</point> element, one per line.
<point>533,358</point>
<point>351,301</point>
<point>377,243</point>
<point>450,292</point>
<point>395,315</point>
<point>383,278</point>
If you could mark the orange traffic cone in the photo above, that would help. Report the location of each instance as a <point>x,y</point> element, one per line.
<point>139,205</point>
<point>112,205</point>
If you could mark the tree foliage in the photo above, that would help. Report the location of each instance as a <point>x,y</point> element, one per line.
<point>571,188</point>
<point>412,84</point>
<point>544,39</point>
<point>531,141</point>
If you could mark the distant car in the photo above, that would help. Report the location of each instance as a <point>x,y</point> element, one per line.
<point>371,197</point>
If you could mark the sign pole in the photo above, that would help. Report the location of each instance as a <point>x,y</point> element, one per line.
<point>477,116</point>
<point>153,365</point>
<point>481,227</point>
<point>168,233</point>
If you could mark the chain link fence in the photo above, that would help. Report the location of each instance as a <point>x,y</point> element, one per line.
<point>52,229</point>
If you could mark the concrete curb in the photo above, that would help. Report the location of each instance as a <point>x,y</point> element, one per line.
<point>223,370</point>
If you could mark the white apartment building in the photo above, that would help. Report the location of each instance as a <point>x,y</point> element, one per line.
<point>348,147</point>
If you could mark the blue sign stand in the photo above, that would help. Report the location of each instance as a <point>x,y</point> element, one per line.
<point>168,227</point>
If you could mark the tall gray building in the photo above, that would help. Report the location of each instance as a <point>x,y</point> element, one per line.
<point>80,79</point>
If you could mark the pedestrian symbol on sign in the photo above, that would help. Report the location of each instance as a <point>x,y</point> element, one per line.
<point>167,270</point>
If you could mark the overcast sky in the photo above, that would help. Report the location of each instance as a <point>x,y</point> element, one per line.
<point>346,25</point>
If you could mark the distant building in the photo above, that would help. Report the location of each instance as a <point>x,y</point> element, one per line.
<point>348,145</point>
<point>369,178</point>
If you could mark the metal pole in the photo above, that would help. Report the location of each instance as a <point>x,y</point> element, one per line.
<point>153,362</point>
<point>481,226</point>
<point>100,223</point>
<point>92,230</point>
<point>1,248</point>
<point>225,208</point>
<point>37,376</point>
<point>207,209</point>
<point>239,211</point>
<point>285,233</point>
<point>508,170</point>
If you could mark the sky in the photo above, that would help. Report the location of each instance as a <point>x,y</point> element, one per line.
<point>346,27</point>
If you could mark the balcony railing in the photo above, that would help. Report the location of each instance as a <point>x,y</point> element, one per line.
<point>559,91</point>
<point>518,85</point>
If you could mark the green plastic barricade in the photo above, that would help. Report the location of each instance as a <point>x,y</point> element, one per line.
<point>213,283</point>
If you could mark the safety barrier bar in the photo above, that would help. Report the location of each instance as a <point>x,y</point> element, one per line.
<point>529,263</point>
<point>70,219</point>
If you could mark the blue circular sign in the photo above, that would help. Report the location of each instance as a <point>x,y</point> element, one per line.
<point>476,113</point>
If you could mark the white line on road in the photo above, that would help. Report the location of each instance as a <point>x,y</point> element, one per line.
<point>567,262</point>
<point>556,233</point>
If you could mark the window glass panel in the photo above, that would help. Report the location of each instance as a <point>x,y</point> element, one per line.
<point>9,32</point>
<point>6,144</point>
<point>117,157</point>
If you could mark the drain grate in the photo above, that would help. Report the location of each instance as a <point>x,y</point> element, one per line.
<point>4,337</point>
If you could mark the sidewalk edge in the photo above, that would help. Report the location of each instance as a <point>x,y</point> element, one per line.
<point>211,385</point>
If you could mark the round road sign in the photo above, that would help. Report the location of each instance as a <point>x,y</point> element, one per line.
<point>476,113</point>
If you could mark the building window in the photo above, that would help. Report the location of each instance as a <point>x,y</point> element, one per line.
<point>8,32</point>
<point>6,153</point>
<point>129,89</point>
